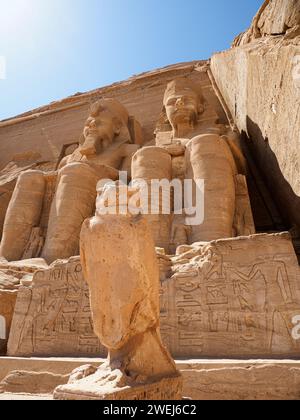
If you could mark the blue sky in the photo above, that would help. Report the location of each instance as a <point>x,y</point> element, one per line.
<point>55,48</point>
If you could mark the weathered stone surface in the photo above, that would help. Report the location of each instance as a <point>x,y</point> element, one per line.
<point>234,295</point>
<point>9,281</point>
<point>249,315</point>
<point>12,275</point>
<point>42,222</point>
<point>56,365</point>
<point>46,211</point>
<point>120,265</point>
<point>202,150</point>
<point>275,17</point>
<point>25,397</point>
<point>18,382</point>
<point>9,284</point>
<point>43,132</point>
<point>67,328</point>
<point>243,224</point>
<point>279,16</point>
<point>260,84</point>
<point>271,382</point>
<point>203,379</point>
<point>53,315</point>
<point>90,389</point>
<point>233,298</point>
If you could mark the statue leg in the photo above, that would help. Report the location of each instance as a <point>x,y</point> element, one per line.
<point>74,202</point>
<point>23,213</point>
<point>209,158</point>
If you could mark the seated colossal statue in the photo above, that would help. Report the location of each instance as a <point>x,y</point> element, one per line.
<point>199,148</point>
<point>49,209</point>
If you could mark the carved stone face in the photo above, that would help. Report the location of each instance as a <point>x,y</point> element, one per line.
<point>183,105</point>
<point>102,126</point>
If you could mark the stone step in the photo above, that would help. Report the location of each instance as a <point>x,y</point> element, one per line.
<point>203,379</point>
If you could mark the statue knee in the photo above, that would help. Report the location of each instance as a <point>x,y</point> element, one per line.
<point>75,168</point>
<point>23,214</point>
<point>31,179</point>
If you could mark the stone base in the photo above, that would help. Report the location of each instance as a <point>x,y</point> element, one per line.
<point>202,379</point>
<point>113,385</point>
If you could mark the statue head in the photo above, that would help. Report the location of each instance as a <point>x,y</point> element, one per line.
<point>183,103</point>
<point>105,122</point>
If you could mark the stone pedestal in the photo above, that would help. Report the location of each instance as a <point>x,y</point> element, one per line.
<point>108,384</point>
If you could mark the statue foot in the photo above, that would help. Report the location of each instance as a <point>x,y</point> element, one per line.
<point>112,384</point>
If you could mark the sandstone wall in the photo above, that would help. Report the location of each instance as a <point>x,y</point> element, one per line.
<point>260,82</point>
<point>203,379</point>
<point>39,135</point>
<point>235,298</point>
<point>38,138</point>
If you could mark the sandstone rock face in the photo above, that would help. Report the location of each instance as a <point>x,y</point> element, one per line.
<point>260,84</point>
<point>279,16</point>
<point>53,315</point>
<point>12,275</point>
<point>45,219</point>
<point>231,298</point>
<point>10,278</point>
<point>41,138</point>
<point>276,17</point>
<point>224,291</point>
<point>47,210</point>
<point>203,380</point>
<point>40,135</point>
<point>208,154</point>
<point>18,382</point>
<point>242,383</point>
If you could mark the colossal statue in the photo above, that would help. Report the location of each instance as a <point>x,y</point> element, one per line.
<point>120,265</point>
<point>203,149</point>
<point>47,210</point>
<point>109,140</point>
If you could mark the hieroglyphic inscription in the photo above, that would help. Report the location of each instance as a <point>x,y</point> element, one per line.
<point>239,303</point>
<point>228,302</point>
<point>58,321</point>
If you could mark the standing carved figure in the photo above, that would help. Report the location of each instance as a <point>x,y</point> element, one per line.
<point>120,264</point>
